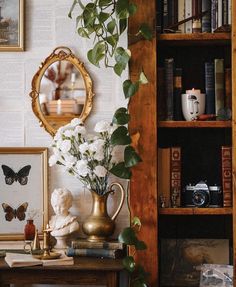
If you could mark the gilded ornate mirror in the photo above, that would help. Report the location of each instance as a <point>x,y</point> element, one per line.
<point>61,90</point>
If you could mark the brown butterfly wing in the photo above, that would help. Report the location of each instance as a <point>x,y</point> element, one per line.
<point>10,212</point>
<point>20,211</point>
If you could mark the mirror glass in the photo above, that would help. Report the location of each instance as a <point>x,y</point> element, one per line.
<point>61,90</point>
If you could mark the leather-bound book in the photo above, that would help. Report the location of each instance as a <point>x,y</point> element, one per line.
<point>210,88</point>
<point>177,94</point>
<point>175,174</point>
<point>226,155</point>
<point>169,88</point>
<point>219,85</point>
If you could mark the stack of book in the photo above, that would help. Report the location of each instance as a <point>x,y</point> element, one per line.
<point>204,15</point>
<point>108,249</point>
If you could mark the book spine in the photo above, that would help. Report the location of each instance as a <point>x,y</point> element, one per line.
<point>169,78</point>
<point>229,12</point>
<point>177,94</point>
<point>172,12</point>
<point>214,11</point>
<point>78,244</point>
<point>86,252</point>
<point>188,13</point>
<point>196,8</point>
<point>159,16</point>
<point>175,175</point>
<point>228,88</point>
<point>219,85</point>
<point>162,111</point>
<point>164,176</point>
<point>226,155</point>
<point>210,88</point>
<point>220,13</point>
<point>225,12</point>
<point>165,14</point>
<point>181,14</point>
<point>206,19</point>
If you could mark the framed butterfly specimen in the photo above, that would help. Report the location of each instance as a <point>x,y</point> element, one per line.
<point>21,176</point>
<point>23,188</point>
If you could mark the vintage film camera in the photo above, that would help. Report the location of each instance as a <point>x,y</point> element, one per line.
<point>202,195</point>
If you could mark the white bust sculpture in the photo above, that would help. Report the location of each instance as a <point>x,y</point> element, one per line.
<point>62,223</point>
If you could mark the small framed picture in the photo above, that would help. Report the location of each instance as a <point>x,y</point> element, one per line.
<point>12,25</point>
<point>24,190</point>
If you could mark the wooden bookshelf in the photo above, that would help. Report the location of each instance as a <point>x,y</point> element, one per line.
<point>194,124</point>
<point>195,38</point>
<point>196,211</point>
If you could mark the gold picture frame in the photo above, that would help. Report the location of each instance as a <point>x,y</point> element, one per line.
<point>12,25</point>
<point>24,190</point>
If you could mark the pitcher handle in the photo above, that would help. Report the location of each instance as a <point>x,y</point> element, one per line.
<point>121,200</point>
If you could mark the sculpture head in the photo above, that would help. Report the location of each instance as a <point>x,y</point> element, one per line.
<point>61,201</point>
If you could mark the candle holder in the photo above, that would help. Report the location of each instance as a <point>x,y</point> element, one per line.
<point>193,104</point>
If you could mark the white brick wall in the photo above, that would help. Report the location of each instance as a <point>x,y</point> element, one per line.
<point>42,35</point>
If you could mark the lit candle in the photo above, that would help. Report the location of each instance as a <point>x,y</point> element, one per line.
<point>73,77</point>
<point>193,92</point>
<point>59,107</point>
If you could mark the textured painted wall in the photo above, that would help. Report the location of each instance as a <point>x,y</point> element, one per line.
<point>47,26</point>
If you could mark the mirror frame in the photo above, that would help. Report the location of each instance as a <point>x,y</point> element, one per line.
<point>59,54</point>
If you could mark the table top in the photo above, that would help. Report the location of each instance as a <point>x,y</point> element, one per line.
<point>80,263</point>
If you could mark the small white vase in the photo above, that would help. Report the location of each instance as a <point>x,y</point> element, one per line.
<point>193,105</point>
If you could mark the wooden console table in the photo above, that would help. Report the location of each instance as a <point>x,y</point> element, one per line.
<point>85,271</point>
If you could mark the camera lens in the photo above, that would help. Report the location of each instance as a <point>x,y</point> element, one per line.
<point>200,198</point>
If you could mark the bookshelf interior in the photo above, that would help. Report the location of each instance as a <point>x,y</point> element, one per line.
<point>200,141</point>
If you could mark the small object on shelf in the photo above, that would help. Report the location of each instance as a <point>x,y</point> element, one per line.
<point>197,26</point>
<point>193,104</point>
<point>174,197</point>
<point>29,230</point>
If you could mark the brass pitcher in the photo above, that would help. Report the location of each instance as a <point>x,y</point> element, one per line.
<point>99,225</point>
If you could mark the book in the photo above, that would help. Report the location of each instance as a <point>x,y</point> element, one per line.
<point>181,15</point>
<point>21,260</point>
<point>206,19</point>
<point>228,88</point>
<point>175,174</point>
<point>188,13</point>
<point>225,12</point>
<point>210,87</point>
<point>219,85</point>
<point>169,88</point>
<point>83,243</point>
<point>96,252</point>
<point>220,13</point>
<point>226,155</point>
<point>214,12</point>
<point>164,176</point>
<point>177,94</point>
<point>161,94</point>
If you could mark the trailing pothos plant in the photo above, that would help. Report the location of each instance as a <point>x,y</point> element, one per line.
<point>104,21</point>
<point>138,275</point>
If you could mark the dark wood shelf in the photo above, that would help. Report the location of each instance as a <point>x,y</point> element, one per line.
<point>196,211</point>
<point>196,38</point>
<point>195,124</point>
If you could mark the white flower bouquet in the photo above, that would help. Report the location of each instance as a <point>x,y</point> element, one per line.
<point>91,158</point>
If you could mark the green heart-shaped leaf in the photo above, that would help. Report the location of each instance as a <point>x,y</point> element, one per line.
<point>145,31</point>
<point>129,88</point>
<point>121,117</point>
<point>143,79</point>
<point>111,26</point>
<point>131,157</point>
<point>120,170</point>
<point>127,236</point>
<point>122,25</point>
<point>129,263</point>
<point>120,136</point>
<point>102,3</point>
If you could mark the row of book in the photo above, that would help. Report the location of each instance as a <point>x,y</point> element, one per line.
<point>109,249</point>
<point>191,16</point>
<point>170,176</point>
<point>218,89</point>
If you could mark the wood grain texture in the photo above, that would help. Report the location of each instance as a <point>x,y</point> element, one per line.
<point>85,271</point>
<point>234,129</point>
<point>143,193</point>
<point>194,124</point>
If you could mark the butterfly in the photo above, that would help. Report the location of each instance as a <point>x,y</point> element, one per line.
<point>21,175</point>
<point>11,213</point>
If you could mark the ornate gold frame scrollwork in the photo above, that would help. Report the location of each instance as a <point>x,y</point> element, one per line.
<point>59,54</point>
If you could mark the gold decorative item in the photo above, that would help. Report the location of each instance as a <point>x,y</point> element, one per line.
<point>99,225</point>
<point>62,89</point>
<point>36,243</point>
